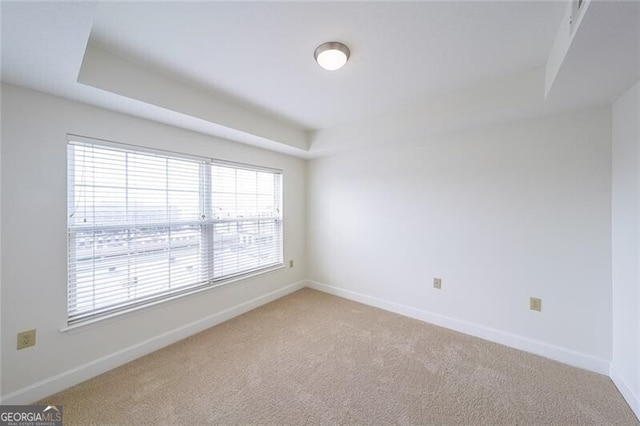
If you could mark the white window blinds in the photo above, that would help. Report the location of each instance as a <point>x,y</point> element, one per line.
<point>145,225</point>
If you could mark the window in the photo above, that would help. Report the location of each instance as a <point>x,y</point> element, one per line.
<point>145,225</point>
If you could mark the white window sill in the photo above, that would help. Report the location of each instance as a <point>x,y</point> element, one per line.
<point>93,322</point>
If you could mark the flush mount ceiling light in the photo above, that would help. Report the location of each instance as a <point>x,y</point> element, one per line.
<point>331,55</point>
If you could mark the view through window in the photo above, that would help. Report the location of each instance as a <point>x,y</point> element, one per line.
<point>145,225</point>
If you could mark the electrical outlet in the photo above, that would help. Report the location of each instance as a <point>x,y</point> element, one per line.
<point>26,339</point>
<point>437,283</point>
<point>535,304</point>
<point>291,263</point>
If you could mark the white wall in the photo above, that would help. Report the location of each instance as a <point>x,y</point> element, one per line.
<point>34,275</point>
<point>500,214</point>
<point>625,364</point>
<point>0,244</point>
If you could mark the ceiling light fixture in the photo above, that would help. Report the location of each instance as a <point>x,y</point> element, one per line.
<point>331,55</point>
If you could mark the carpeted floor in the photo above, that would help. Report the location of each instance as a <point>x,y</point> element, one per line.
<point>315,358</point>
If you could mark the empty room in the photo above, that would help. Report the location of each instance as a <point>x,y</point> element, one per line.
<point>320,212</point>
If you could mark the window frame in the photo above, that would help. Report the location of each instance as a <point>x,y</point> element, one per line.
<point>207,232</point>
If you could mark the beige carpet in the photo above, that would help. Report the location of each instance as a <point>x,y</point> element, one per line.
<point>315,358</point>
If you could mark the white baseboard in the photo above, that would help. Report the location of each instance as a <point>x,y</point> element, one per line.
<point>94,368</point>
<point>91,369</point>
<point>632,399</point>
<point>557,353</point>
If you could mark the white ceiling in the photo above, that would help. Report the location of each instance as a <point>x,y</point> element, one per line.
<point>257,57</point>
<point>262,53</point>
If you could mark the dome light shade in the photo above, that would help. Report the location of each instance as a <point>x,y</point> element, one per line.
<point>332,55</point>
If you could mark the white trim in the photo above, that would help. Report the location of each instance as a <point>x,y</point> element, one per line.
<point>627,393</point>
<point>557,353</point>
<point>94,368</point>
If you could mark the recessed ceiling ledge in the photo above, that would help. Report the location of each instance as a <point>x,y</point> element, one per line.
<point>106,71</point>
